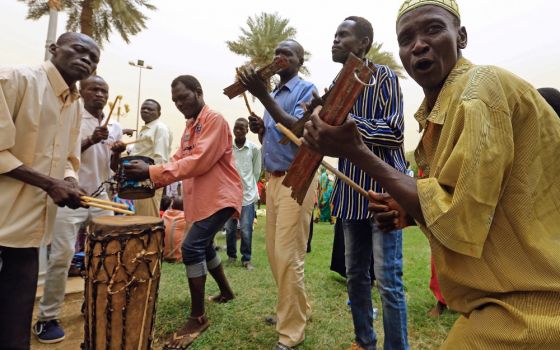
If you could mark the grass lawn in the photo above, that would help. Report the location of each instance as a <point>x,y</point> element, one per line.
<point>239,324</point>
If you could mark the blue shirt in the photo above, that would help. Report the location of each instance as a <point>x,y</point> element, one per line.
<point>378,113</point>
<point>289,97</point>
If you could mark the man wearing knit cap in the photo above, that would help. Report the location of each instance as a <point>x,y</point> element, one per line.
<point>489,200</point>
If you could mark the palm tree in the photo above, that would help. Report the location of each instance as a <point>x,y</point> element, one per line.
<point>385,58</point>
<point>97,18</point>
<point>258,41</point>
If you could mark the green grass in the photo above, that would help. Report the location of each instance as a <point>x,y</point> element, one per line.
<point>239,324</point>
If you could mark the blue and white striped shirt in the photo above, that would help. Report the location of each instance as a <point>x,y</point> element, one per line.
<point>378,112</point>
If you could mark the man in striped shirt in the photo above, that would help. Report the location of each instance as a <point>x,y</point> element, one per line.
<point>378,113</point>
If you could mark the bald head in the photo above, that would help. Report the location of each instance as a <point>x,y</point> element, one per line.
<point>296,47</point>
<point>92,79</point>
<point>95,92</point>
<point>75,56</point>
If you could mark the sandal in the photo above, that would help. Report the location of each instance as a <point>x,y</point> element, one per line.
<point>218,299</point>
<point>182,342</point>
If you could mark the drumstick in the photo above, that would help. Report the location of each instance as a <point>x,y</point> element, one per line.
<point>115,209</point>
<point>245,96</point>
<point>102,201</point>
<point>332,169</point>
<point>131,142</point>
<point>111,111</point>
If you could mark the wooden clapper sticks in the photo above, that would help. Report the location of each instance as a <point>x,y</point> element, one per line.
<point>108,205</point>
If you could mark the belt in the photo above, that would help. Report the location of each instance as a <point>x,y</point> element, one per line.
<point>278,173</point>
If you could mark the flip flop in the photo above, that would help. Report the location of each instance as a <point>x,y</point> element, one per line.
<point>187,339</point>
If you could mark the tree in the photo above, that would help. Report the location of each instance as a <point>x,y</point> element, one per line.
<point>96,18</point>
<point>385,58</point>
<point>258,41</point>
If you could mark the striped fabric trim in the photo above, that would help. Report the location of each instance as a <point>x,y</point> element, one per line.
<point>378,112</point>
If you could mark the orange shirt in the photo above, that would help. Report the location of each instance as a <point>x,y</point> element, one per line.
<point>204,161</point>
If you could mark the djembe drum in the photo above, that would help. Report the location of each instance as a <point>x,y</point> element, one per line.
<point>123,266</point>
<point>133,189</point>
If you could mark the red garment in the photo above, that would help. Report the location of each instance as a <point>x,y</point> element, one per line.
<point>434,284</point>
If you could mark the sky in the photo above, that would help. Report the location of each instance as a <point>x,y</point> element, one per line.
<point>186,37</point>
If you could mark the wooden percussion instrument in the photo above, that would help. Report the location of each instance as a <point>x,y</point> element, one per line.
<point>132,189</point>
<point>339,101</point>
<point>123,266</point>
<point>265,73</point>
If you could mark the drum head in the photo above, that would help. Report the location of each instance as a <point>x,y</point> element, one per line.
<point>145,159</point>
<point>122,221</point>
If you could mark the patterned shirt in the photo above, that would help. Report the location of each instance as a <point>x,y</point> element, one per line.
<point>290,96</point>
<point>378,113</point>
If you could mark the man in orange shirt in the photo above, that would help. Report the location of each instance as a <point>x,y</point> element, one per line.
<point>212,193</point>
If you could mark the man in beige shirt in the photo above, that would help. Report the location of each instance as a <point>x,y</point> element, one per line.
<point>98,144</point>
<point>155,142</point>
<point>39,159</point>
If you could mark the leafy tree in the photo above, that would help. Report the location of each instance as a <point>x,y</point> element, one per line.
<point>96,18</point>
<point>263,33</point>
<point>376,55</point>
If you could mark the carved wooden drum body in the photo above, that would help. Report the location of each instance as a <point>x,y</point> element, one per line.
<point>123,266</point>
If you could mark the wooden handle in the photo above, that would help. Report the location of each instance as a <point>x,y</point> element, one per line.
<point>284,130</point>
<point>245,96</point>
<point>102,201</point>
<point>111,111</point>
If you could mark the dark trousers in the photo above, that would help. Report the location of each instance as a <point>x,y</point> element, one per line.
<point>19,268</point>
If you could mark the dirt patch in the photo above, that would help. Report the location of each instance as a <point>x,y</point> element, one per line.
<point>72,322</point>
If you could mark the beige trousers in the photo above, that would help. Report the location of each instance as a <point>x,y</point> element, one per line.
<point>287,230</point>
<point>149,206</point>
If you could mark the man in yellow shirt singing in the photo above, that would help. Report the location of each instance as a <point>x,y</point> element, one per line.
<point>490,200</point>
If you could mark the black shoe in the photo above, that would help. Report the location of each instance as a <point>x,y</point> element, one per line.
<point>280,346</point>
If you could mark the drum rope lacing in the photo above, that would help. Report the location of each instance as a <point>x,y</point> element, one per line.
<point>143,258</point>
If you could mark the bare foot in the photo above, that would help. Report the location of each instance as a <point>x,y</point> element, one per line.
<point>184,336</point>
<point>221,298</point>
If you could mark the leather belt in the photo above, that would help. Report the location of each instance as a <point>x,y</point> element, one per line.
<point>277,173</point>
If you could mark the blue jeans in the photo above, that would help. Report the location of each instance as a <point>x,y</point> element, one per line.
<point>199,254</point>
<point>361,237</point>
<point>246,223</point>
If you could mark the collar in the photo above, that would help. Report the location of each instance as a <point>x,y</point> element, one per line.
<point>439,112</point>
<point>88,115</point>
<point>151,124</point>
<point>61,89</point>
<point>245,145</point>
<point>290,85</point>
<point>201,115</point>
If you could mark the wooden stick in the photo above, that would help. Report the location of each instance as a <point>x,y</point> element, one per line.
<point>132,142</point>
<point>102,201</point>
<point>332,169</point>
<point>111,111</point>
<point>245,96</point>
<point>106,207</point>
